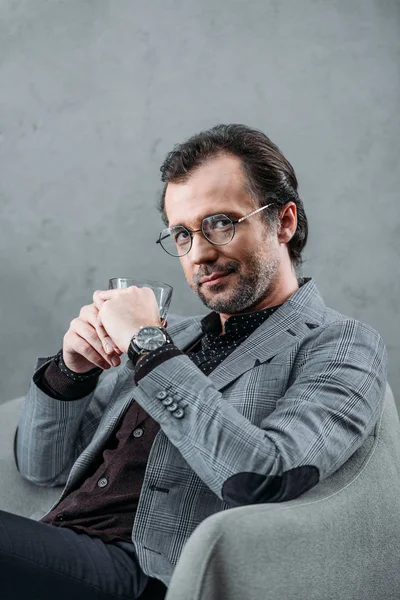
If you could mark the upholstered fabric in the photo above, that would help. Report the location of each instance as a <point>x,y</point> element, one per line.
<point>16,494</point>
<point>340,540</point>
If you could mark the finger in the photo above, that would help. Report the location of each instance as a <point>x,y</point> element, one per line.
<point>81,346</point>
<point>98,301</point>
<point>89,333</point>
<point>90,314</point>
<point>109,345</point>
<point>107,294</point>
<point>86,331</point>
<point>106,341</point>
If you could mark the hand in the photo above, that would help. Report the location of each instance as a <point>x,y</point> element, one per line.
<point>123,311</point>
<point>87,345</point>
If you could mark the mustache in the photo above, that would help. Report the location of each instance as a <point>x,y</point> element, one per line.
<point>206,271</point>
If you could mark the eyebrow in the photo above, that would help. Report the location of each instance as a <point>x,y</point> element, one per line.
<point>233,214</point>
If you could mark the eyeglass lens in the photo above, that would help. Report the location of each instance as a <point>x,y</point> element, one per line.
<point>217,229</point>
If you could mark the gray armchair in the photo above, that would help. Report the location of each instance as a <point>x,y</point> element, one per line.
<point>17,495</point>
<point>340,540</point>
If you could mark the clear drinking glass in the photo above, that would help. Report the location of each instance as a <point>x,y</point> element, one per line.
<point>162,291</point>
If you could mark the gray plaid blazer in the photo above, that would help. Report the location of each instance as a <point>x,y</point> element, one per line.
<point>290,405</point>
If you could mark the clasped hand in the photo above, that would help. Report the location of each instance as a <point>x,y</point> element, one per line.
<point>104,329</point>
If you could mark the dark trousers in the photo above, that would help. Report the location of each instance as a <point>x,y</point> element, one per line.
<point>43,562</point>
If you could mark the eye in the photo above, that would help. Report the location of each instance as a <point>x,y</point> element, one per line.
<point>220,222</point>
<point>181,237</point>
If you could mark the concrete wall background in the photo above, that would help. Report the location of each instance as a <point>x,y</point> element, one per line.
<point>94,93</point>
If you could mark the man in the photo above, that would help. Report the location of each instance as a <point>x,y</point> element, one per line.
<point>267,395</point>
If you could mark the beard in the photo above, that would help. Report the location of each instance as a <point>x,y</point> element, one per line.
<point>250,287</point>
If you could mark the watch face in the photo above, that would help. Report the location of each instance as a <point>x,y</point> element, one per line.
<point>150,338</point>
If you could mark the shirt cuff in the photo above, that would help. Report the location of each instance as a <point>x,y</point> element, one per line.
<point>153,359</point>
<point>60,383</point>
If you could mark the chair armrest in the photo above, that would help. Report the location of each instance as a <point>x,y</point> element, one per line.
<point>17,495</point>
<point>341,539</point>
<point>293,551</point>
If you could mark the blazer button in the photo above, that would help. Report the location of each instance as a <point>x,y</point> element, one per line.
<point>102,482</point>
<point>178,413</point>
<point>167,401</point>
<point>172,406</point>
<point>137,433</point>
<point>161,395</point>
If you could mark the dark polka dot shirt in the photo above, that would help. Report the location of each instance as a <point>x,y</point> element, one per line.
<point>214,347</point>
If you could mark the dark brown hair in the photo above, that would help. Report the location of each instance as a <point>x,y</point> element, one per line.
<point>271,178</point>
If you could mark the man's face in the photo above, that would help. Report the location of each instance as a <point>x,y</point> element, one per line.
<point>249,264</point>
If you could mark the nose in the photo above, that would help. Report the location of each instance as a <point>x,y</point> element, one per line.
<point>202,250</point>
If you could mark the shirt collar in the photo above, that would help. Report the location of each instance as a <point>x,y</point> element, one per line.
<point>236,324</point>
<point>240,324</point>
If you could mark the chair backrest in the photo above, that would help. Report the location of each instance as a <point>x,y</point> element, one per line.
<point>341,539</point>
<point>377,460</point>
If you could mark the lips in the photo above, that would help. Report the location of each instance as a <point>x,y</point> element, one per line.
<point>214,277</point>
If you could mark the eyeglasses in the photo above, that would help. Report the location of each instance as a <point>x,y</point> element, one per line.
<point>217,229</point>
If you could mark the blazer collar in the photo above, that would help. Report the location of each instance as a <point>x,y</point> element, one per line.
<point>284,328</point>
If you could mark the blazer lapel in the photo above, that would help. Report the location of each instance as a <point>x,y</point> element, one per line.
<point>284,328</point>
<point>186,332</point>
<point>278,333</point>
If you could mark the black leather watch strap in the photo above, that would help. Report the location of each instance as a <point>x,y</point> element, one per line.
<point>133,354</point>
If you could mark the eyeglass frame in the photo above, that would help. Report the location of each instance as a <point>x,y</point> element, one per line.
<point>191,232</point>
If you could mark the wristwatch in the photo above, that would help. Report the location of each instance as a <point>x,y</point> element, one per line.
<point>148,338</point>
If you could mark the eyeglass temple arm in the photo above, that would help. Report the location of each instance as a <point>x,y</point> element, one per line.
<point>254,212</point>
<point>160,239</point>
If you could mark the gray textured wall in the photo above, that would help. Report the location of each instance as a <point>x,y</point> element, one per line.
<point>94,93</point>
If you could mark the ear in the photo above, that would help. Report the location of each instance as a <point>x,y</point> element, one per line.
<point>288,223</point>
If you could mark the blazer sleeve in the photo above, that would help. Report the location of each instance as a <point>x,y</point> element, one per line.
<point>52,433</point>
<point>327,412</point>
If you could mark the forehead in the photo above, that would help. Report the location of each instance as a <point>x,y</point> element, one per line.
<point>219,185</point>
